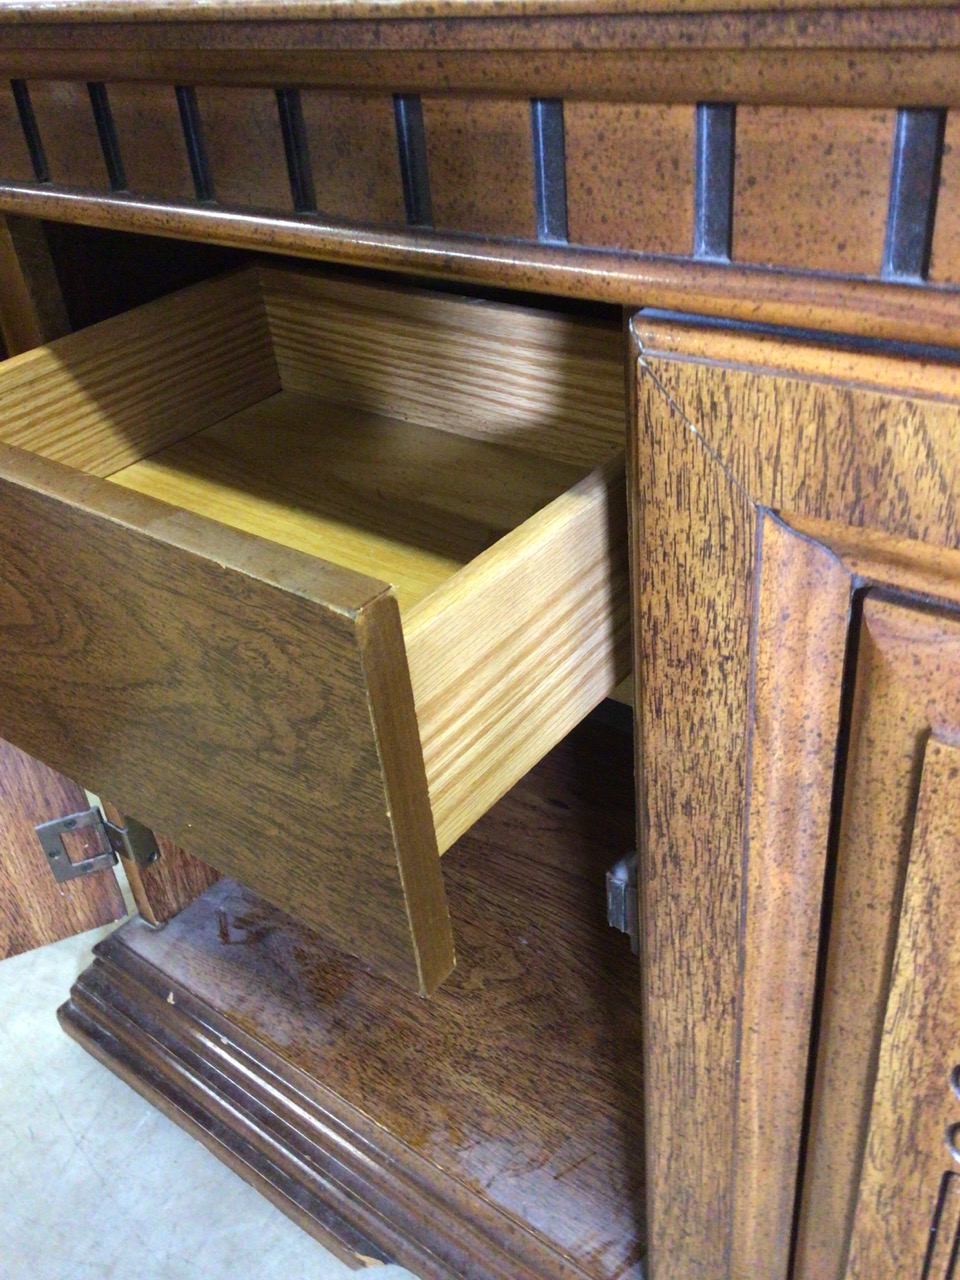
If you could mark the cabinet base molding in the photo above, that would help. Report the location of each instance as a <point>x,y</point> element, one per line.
<point>493,1132</point>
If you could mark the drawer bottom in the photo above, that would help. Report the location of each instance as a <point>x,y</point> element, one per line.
<point>494,1131</point>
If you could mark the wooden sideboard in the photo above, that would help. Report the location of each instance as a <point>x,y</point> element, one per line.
<point>771,193</point>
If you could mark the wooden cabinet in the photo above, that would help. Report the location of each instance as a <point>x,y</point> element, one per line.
<point>754,166</point>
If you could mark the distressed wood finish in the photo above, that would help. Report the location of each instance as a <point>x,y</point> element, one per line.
<point>799,649</point>
<point>244,147</point>
<point>724,432</point>
<point>519,1153</point>
<point>907,1156</point>
<point>811,187</point>
<point>68,134</point>
<point>481,166</point>
<point>630,175</point>
<point>352,146</point>
<point>151,142</point>
<point>34,908</point>
<point>817,94</point>
<point>809,301</point>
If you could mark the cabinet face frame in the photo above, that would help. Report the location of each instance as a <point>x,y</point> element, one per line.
<point>765,499</point>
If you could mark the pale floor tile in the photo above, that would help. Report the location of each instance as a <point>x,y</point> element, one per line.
<point>95,1183</point>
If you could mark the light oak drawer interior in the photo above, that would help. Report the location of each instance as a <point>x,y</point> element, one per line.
<point>307,574</point>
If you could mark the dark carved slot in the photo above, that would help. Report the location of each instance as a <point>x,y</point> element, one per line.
<point>193,138</point>
<point>549,169</point>
<point>28,122</point>
<point>412,141</point>
<point>103,117</point>
<point>914,179</point>
<point>946,1250</point>
<point>713,188</point>
<point>298,154</point>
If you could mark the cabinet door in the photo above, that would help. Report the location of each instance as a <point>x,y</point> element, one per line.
<point>782,492</point>
<point>907,1220</point>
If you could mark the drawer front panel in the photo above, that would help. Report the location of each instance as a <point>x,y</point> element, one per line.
<point>251,702</point>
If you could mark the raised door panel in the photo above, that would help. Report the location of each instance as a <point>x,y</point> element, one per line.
<point>906,1207</point>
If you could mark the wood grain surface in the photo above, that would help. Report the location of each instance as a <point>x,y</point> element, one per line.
<point>548,384</point>
<point>799,651</point>
<point>895,703</point>
<point>480,160</point>
<point>730,423</point>
<point>267,676</point>
<point>695,532</point>
<point>519,1153</point>
<point>34,908</point>
<point>630,174</point>
<point>811,187</point>
<point>846,55</point>
<point>405,504</point>
<point>68,133</point>
<point>105,396</point>
<point>509,655</point>
<point>352,144</point>
<point>800,299</point>
<point>150,137</point>
<point>914,1106</point>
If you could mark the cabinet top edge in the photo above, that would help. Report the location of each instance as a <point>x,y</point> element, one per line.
<point>153,11</point>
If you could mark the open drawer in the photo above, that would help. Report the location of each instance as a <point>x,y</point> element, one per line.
<point>307,574</point>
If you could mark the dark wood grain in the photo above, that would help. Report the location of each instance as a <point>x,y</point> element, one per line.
<point>480,159</point>
<point>244,146</point>
<point>151,142</point>
<point>34,908</point>
<point>259,672</point>
<point>493,1132</point>
<point>630,175</point>
<point>68,133</point>
<point>811,187</point>
<point>352,144</point>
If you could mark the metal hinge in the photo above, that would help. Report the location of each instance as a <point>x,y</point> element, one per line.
<point>134,841</point>
<point>623,905</point>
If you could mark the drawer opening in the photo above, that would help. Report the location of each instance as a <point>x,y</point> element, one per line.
<point>437,477</point>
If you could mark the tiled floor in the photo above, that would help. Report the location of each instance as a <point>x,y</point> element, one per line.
<point>95,1183</point>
